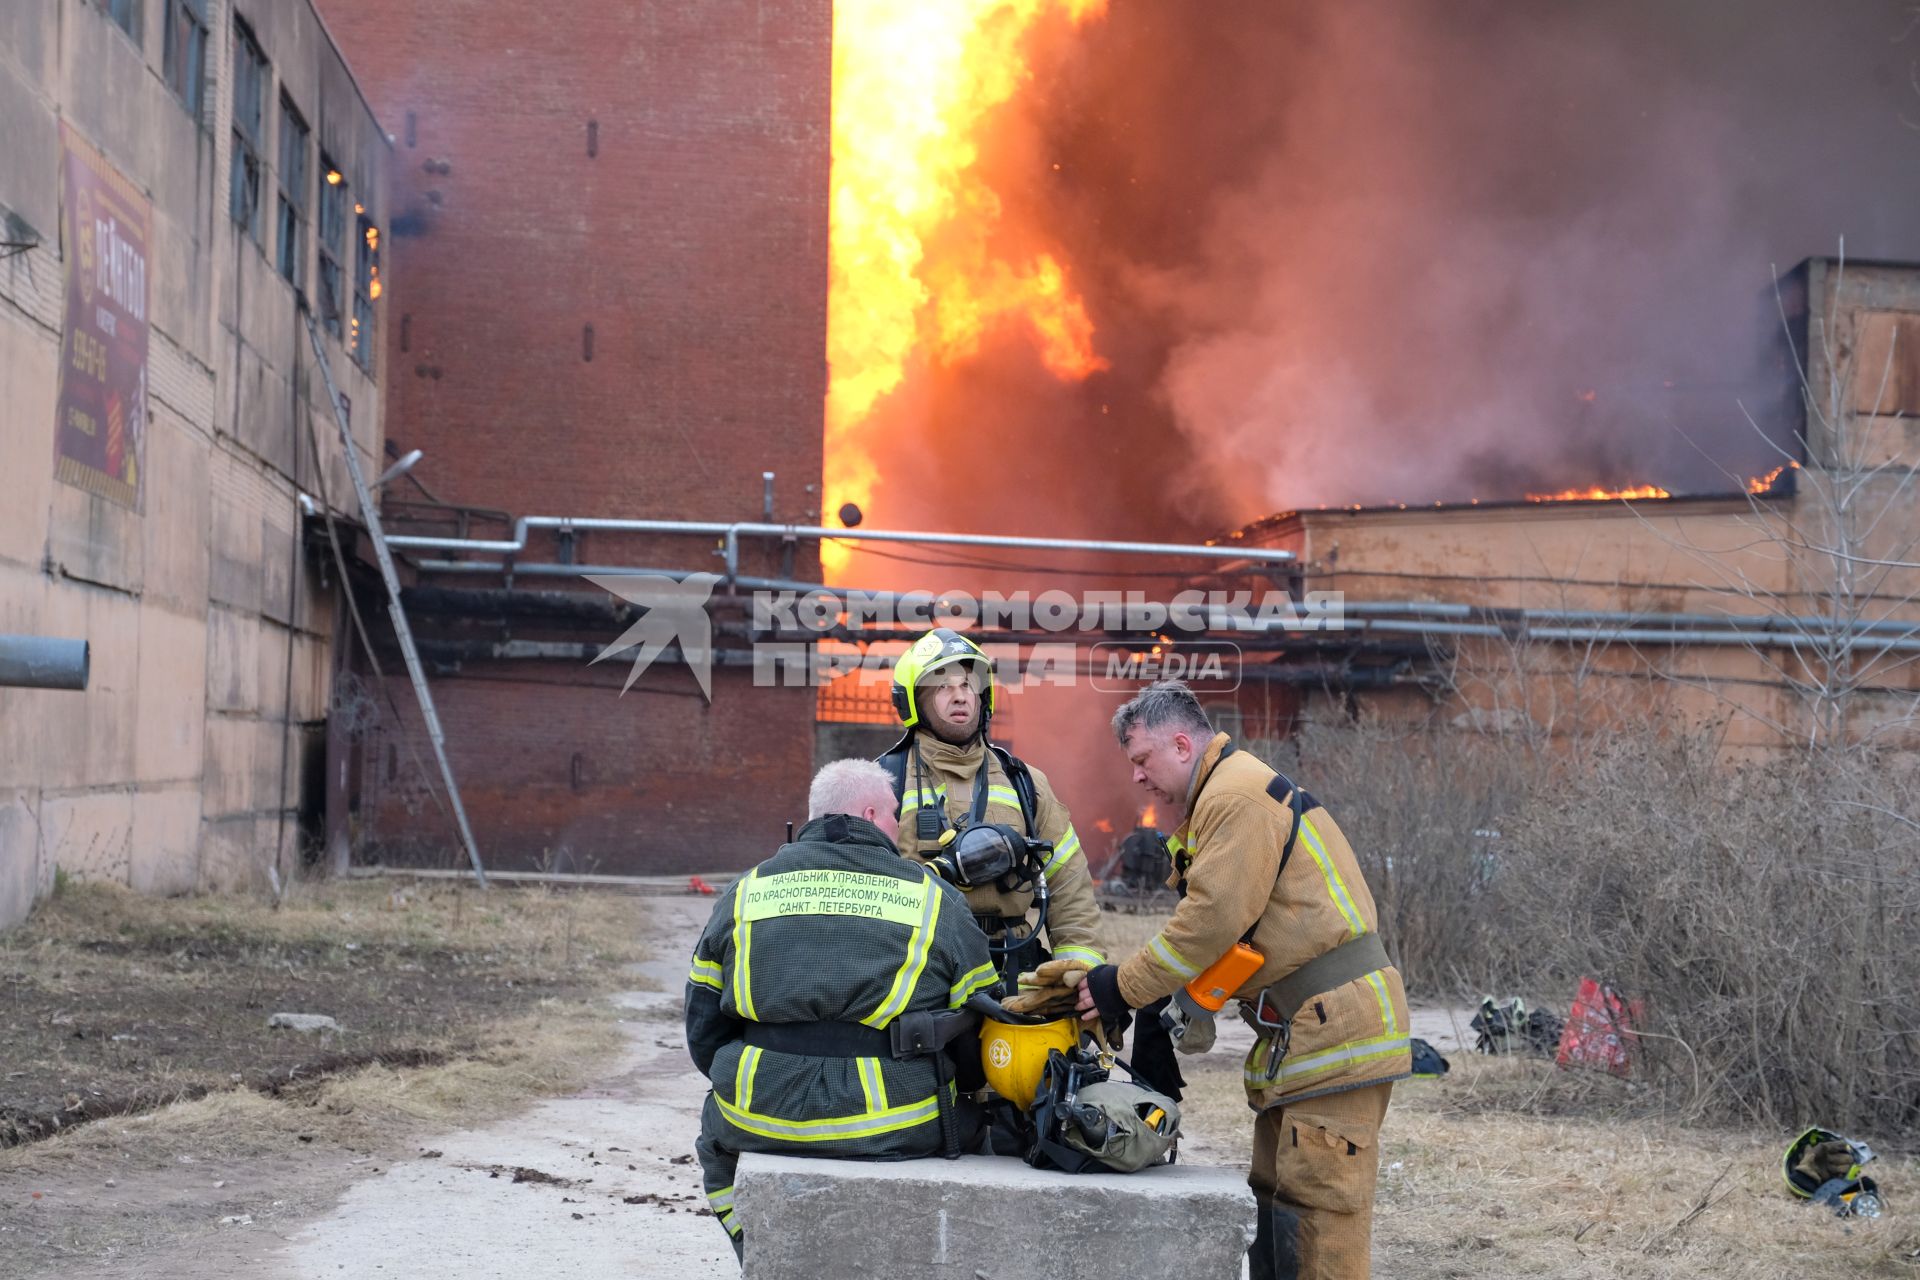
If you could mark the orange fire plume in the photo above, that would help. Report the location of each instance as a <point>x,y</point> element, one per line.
<point>912,86</point>
<point>1150,817</point>
<point>1597,494</point>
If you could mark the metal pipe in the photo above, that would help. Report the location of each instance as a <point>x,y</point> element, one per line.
<point>1637,635</point>
<point>1898,637</point>
<point>1263,555</point>
<point>40,662</point>
<point>734,531</point>
<point>1438,609</point>
<point>525,524</point>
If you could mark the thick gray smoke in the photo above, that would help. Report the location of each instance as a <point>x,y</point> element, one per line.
<point>1440,249</point>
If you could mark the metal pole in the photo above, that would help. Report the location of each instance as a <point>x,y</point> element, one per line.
<point>35,662</point>
<point>377,535</point>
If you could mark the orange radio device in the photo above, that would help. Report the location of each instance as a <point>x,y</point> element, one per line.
<point>1224,976</point>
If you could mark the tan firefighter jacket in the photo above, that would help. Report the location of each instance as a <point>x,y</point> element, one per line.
<point>1073,914</point>
<point>1228,852</point>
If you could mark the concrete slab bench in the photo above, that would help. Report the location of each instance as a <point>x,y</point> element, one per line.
<point>987,1218</point>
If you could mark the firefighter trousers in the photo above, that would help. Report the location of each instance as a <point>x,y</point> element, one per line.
<point>717,1165</point>
<point>1315,1165</point>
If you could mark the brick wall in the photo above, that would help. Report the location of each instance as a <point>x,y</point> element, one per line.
<point>657,171</point>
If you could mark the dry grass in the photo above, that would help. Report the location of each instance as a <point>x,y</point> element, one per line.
<point>1123,933</point>
<point>117,996</point>
<point>1513,1167</point>
<point>504,991</point>
<point>546,1052</point>
<point>529,927</point>
<point>1472,1186</point>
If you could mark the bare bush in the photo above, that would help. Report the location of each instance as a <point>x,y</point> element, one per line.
<point>1421,808</point>
<point>1764,913</point>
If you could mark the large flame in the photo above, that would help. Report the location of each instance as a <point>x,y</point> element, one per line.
<point>912,85</point>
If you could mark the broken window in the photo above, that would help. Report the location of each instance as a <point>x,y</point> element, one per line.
<point>292,225</point>
<point>184,53</point>
<point>366,287</point>
<point>333,243</point>
<point>250,76</point>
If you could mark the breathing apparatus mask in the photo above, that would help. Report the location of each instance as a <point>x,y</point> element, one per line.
<point>993,854</point>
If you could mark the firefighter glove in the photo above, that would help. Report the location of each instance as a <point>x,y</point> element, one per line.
<point>1049,999</point>
<point>1104,982</point>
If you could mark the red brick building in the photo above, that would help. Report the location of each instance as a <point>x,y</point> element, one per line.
<point>609,255</point>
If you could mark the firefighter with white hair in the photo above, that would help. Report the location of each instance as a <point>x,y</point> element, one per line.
<point>825,991</point>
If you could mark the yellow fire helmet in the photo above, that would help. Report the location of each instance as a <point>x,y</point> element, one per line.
<point>1013,1056</point>
<point>940,647</point>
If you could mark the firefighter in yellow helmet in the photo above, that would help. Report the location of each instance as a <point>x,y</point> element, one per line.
<point>950,779</point>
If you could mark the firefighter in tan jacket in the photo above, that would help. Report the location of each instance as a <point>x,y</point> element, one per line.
<point>950,777</point>
<point>1258,860</point>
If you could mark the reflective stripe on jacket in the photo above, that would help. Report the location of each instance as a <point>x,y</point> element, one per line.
<point>835,927</point>
<point>1073,912</point>
<point>1228,850</point>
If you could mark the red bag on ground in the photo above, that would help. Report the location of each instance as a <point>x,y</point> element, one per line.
<point>1599,1030</point>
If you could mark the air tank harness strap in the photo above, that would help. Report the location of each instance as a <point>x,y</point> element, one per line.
<point>1274,1009</point>
<point>923,1034</point>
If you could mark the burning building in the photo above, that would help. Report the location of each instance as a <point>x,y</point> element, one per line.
<point>704,289</point>
<point>1786,605</point>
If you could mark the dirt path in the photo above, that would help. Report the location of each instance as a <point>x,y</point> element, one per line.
<point>628,1202</point>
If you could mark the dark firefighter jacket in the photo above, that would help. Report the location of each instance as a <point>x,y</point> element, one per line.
<point>835,927</point>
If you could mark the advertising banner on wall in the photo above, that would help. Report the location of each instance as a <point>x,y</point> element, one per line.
<point>101,431</point>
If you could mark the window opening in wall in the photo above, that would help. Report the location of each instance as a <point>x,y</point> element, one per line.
<point>250,77</point>
<point>593,138</point>
<point>292,223</point>
<point>586,343</point>
<point>413,132</point>
<point>333,244</point>
<point>366,288</point>
<point>125,15</point>
<point>184,51</point>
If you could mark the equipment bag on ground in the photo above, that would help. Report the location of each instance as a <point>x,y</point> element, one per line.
<point>1087,1120</point>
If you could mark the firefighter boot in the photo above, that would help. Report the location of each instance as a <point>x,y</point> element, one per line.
<point>1315,1162</point>
<point>1275,1254</point>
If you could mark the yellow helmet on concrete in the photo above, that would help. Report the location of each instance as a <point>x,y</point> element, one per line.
<point>1013,1056</point>
<point>938,649</point>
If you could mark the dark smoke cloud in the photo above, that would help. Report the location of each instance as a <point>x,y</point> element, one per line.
<point>1439,249</point>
